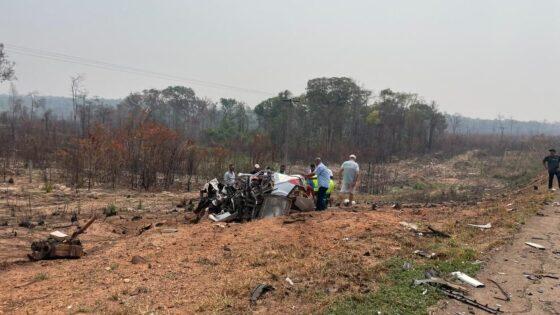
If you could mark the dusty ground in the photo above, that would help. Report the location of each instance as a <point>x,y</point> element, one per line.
<point>508,264</point>
<point>212,268</point>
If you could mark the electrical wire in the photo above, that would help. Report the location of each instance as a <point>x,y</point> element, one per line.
<point>54,56</point>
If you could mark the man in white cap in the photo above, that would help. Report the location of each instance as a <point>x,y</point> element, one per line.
<point>350,173</point>
<point>256,169</point>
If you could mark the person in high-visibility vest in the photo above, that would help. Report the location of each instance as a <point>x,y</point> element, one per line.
<point>329,191</point>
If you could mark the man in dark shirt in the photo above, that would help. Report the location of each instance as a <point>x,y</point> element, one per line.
<point>552,165</point>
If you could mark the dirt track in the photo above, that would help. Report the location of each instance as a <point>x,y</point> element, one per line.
<point>508,264</point>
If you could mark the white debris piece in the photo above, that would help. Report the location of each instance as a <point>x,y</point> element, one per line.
<point>59,235</point>
<point>481,226</point>
<point>411,226</point>
<point>467,279</point>
<point>535,245</point>
<point>289,281</point>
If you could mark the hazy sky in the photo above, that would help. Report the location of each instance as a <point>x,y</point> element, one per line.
<point>478,58</point>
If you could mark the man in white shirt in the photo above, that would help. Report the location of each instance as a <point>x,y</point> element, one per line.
<point>350,173</point>
<point>229,176</point>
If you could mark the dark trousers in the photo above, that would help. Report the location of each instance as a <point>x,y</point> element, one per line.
<point>322,199</point>
<point>551,175</point>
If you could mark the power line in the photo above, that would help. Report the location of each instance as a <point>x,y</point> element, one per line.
<point>49,55</point>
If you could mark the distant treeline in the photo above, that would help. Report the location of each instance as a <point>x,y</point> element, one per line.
<point>457,124</point>
<point>154,137</point>
<point>60,106</point>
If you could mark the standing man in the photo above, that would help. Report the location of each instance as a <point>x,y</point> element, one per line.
<point>323,179</point>
<point>256,169</point>
<point>350,173</point>
<point>229,176</point>
<point>282,169</point>
<point>552,165</point>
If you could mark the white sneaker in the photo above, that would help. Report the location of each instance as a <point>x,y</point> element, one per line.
<point>552,189</point>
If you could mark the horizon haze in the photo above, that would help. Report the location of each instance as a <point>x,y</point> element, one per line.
<point>477,58</point>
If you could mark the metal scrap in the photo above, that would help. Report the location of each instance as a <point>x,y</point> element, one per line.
<point>435,232</point>
<point>532,276</point>
<point>59,245</point>
<point>260,290</point>
<point>253,196</point>
<point>467,279</point>
<point>462,298</point>
<point>507,297</point>
<point>535,245</point>
<point>456,292</point>
<point>481,226</point>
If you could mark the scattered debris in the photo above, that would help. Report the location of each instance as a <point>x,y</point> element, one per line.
<point>138,260</point>
<point>424,254</point>
<point>535,245</point>
<point>410,226</point>
<point>169,231</point>
<point>407,266</point>
<point>435,232</point>
<point>26,224</point>
<point>396,206</point>
<point>467,279</point>
<point>289,281</point>
<point>462,298</point>
<point>438,282</point>
<point>144,228</point>
<point>531,276</point>
<point>253,196</point>
<point>481,226</point>
<point>74,218</point>
<point>59,245</point>
<point>259,291</point>
<point>507,296</point>
<point>136,218</point>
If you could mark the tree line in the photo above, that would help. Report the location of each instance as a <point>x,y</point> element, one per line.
<point>170,137</point>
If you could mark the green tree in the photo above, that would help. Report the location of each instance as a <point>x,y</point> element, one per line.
<point>7,72</point>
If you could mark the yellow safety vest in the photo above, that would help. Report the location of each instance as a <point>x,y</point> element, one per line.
<point>331,187</point>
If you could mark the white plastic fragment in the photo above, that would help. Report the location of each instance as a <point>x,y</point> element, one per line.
<point>411,226</point>
<point>481,226</point>
<point>535,245</point>
<point>58,235</point>
<point>289,281</point>
<point>467,279</point>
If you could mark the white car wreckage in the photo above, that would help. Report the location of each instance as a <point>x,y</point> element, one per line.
<point>254,196</point>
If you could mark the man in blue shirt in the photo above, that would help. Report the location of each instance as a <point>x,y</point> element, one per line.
<point>323,180</point>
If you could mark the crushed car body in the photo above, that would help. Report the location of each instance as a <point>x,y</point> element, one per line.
<point>265,194</point>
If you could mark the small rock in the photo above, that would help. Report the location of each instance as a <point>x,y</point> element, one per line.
<point>126,280</point>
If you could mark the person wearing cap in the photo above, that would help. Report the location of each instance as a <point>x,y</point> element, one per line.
<point>551,163</point>
<point>350,173</point>
<point>256,169</point>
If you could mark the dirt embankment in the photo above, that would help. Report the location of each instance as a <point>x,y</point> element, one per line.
<point>212,268</point>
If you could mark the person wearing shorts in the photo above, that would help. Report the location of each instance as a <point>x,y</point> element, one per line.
<point>350,173</point>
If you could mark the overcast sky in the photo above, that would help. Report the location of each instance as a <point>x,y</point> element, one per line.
<point>478,58</point>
